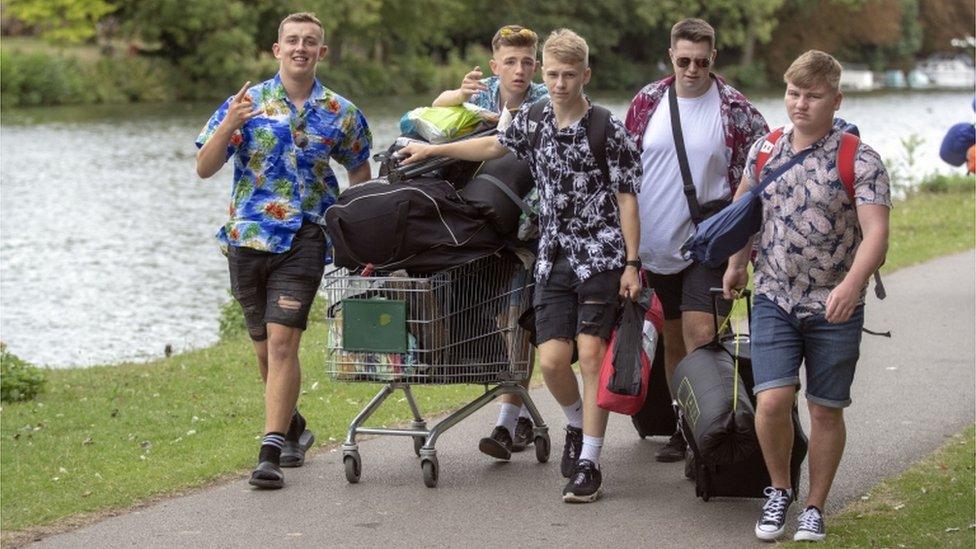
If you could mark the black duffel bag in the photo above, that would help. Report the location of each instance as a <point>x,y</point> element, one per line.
<point>497,190</point>
<point>421,225</point>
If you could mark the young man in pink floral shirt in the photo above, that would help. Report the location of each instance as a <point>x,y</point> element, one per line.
<point>718,124</point>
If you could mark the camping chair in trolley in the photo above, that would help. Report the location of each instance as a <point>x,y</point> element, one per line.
<point>459,325</point>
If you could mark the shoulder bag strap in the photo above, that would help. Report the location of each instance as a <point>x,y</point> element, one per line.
<point>535,118</point>
<point>679,148</point>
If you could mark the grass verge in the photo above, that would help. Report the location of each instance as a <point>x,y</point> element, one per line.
<point>109,437</point>
<point>929,505</point>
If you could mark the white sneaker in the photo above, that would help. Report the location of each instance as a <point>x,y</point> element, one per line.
<point>772,524</point>
<point>810,526</point>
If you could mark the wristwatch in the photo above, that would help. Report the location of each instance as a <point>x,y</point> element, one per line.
<point>633,263</point>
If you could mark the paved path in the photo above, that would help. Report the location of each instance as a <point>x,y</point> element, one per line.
<point>911,392</point>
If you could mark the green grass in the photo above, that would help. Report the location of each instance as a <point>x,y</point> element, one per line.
<point>930,505</point>
<point>109,437</point>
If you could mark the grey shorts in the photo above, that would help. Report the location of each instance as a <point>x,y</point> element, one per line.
<point>565,306</point>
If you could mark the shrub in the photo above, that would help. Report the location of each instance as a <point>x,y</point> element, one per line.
<point>231,319</point>
<point>19,380</point>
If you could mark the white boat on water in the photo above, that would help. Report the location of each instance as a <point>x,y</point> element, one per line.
<point>856,78</point>
<point>947,71</point>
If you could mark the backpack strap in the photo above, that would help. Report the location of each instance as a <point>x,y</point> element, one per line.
<point>846,154</point>
<point>766,149</point>
<point>596,135</point>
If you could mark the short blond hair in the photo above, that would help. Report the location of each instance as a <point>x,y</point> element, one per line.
<point>301,17</point>
<point>515,36</point>
<point>812,69</point>
<point>567,47</point>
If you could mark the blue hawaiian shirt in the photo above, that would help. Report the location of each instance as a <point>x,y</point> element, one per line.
<point>488,99</point>
<point>282,173</point>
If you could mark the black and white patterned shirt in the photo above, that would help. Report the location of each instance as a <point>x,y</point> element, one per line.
<point>578,212</point>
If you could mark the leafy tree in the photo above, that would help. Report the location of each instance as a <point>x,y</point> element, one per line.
<point>69,21</point>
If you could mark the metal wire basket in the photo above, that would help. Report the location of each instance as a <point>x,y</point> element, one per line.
<point>455,326</point>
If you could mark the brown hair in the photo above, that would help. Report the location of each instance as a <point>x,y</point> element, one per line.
<point>812,69</point>
<point>694,30</point>
<point>301,17</point>
<point>567,46</point>
<point>514,36</point>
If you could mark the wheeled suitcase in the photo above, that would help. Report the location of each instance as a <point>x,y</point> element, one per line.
<point>656,417</point>
<point>747,476</point>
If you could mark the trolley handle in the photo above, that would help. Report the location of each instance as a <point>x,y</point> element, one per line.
<point>744,293</point>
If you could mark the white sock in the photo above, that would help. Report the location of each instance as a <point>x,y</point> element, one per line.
<point>508,416</point>
<point>591,449</point>
<point>574,414</point>
<point>524,412</point>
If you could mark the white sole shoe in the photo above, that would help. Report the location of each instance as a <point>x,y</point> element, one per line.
<point>807,535</point>
<point>770,535</point>
<point>573,498</point>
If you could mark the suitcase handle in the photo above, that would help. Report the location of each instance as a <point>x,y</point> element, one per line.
<point>744,293</point>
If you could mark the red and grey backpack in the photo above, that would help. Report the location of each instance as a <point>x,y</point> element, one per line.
<point>846,154</point>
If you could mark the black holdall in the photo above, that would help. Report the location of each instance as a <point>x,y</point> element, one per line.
<point>701,212</point>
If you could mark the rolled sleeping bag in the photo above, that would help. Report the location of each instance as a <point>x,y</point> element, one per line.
<point>705,386</point>
<point>497,189</point>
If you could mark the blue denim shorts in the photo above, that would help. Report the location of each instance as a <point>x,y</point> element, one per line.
<point>780,342</point>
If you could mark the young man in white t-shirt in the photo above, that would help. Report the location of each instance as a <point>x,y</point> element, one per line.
<point>718,124</point>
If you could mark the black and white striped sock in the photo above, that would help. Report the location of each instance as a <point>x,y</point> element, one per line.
<point>271,448</point>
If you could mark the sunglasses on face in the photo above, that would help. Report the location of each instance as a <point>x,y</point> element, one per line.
<point>702,62</point>
<point>299,135</point>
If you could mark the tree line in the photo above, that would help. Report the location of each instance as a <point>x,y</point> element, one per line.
<point>393,46</point>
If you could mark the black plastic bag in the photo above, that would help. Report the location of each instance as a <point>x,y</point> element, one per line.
<point>626,378</point>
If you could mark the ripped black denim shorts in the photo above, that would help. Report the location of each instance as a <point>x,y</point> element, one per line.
<point>278,287</point>
<point>566,307</point>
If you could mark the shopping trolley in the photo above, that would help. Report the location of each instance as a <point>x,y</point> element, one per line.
<point>456,326</point>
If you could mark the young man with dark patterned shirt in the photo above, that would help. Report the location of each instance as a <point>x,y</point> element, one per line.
<point>718,125</point>
<point>588,245</point>
<point>281,134</point>
<point>818,247</point>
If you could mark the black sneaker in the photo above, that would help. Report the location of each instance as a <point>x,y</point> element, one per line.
<point>674,450</point>
<point>584,486</point>
<point>523,434</point>
<point>811,526</point>
<point>772,523</point>
<point>571,450</point>
<point>267,475</point>
<point>498,445</point>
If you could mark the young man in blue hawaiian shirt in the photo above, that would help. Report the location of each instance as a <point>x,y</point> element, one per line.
<point>281,135</point>
<point>588,245</point>
<point>513,63</point>
<point>818,247</point>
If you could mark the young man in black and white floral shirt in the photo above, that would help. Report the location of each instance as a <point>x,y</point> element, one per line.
<point>588,246</point>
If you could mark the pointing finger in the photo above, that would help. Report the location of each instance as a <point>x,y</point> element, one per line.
<point>240,94</point>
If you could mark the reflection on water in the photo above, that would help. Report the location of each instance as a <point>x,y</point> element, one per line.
<point>106,248</point>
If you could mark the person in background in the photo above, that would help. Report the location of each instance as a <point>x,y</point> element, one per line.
<point>718,125</point>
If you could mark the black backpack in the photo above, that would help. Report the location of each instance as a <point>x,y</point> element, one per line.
<point>420,225</point>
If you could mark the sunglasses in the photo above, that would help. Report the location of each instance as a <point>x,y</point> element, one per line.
<point>702,62</point>
<point>505,32</point>
<point>298,133</point>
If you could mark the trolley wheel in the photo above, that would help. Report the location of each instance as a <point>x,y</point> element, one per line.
<point>430,469</point>
<point>542,448</point>
<point>418,443</point>
<point>353,465</point>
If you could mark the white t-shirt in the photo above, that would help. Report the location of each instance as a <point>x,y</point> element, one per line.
<point>665,219</point>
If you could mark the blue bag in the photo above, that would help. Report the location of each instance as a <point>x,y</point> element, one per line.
<point>727,232</point>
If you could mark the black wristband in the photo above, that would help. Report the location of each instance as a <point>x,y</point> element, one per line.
<point>633,263</point>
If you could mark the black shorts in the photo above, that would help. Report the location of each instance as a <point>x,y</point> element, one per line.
<point>566,307</point>
<point>278,287</point>
<point>688,290</point>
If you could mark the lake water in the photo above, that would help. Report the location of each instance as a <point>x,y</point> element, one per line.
<point>106,248</point>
